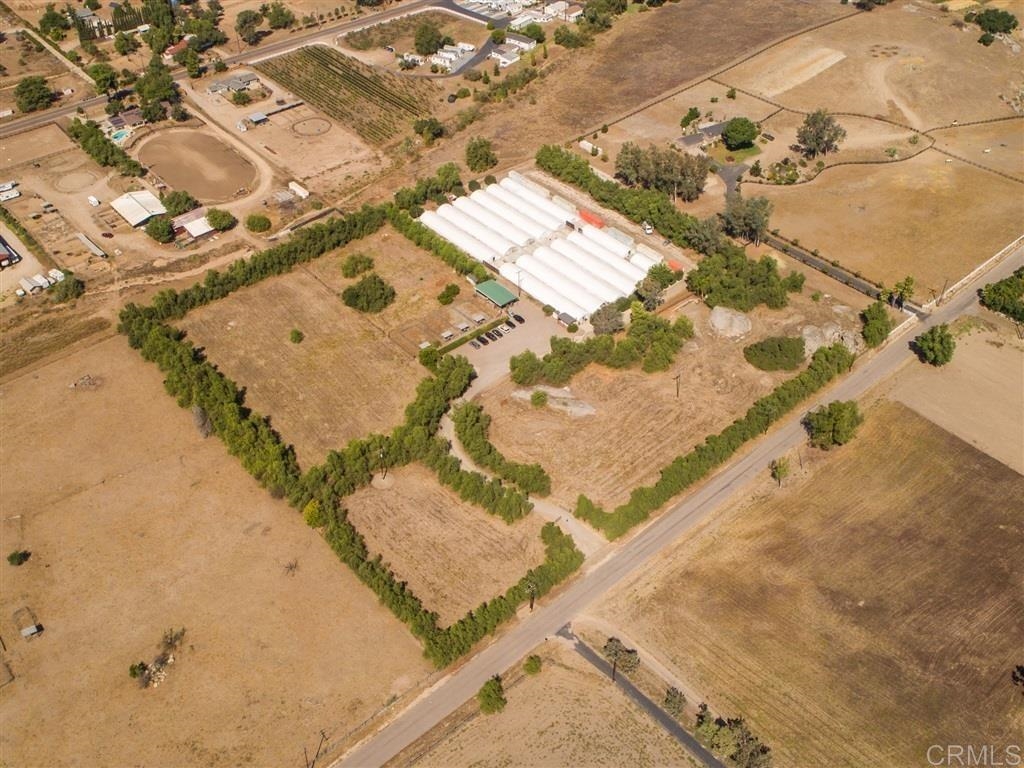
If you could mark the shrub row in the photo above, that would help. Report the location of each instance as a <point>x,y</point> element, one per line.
<point>684,471</point>
<point>1006,296</point>
<point>471,427</point>
<point>25,236</point>
<point>437,245</point>
<point>776,353</point>
<point>650,339</point>
<point>103,150</point>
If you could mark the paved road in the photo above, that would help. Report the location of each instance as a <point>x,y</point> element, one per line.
<point>547,619</point>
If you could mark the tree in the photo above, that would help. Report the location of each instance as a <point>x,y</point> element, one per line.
<point>156,84</point>
<point>535,31</point>
<point>279,17</point>
<point>246,26</point>
<point>296,336</point>
<point>104,76</point>
<point>780,469</point>
<point>257,222</point>
<point>68,289</point>
<point>220,220</point>
<point>876,324</point>
<point>675,702</point>
<point>160,229</point>
<point>125,44</point>
<point>538,398</point>
<point>747,218</point>
<point>191,61</point>
<point>904,291</point>
<point>370,294</point>
<point>19,557</point>
<point>178,202</point>
<point>936,345</point>
<point>620,656</point>
<point>1006,296</point>
<point>356,264</point>
<point>675,173</point>
<point>492,696</point>
<point>32,94</point>
<point>53,23</point>
<point>820,133</point>
<point>776,353</point>
<point>447,296</point>
<point>429,128</point>
<point>693,113</point>
<point>833,424</point>
<point>241,98</point>
<point>498,37</point>
<point>996,21</point>
<point>607,319</point>
<point>739,133</point>
<point>480,155</point>
<point>533,664</point>
<point>428,39</point>
<point>649,290</point>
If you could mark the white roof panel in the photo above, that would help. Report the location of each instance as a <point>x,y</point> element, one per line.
<point>138,207</point>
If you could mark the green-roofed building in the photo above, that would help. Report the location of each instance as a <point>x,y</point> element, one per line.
<point>496,293</point>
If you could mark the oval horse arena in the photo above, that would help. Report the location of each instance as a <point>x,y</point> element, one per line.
<point>312,126</point>
<point>198,162</point>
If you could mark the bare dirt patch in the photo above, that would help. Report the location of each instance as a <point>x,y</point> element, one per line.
<point>888,221</point>
<point>979,395</point>
<point>142,526</point>
<point>867,630</point>
<point>368,44</point>
<point>351,375</point>
<point>639,424</point>
<point>568,714</point>
<point>198,162</point>
<point>453,555</point>
<point>911,67</point>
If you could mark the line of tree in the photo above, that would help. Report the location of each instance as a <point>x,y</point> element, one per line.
<point>446,181</point>
<point>685,470</point>
<point>677,174</point>
<point>101,149</point>
<point>1005,296</point>
<point>429,240</point>
<point>729,278</point>
<point>733,739</point>
<point>472,426</point>
<point>650,340</point>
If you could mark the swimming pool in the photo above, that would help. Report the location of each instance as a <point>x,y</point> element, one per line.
<point>120,135</point>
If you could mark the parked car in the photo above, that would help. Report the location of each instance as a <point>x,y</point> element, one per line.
<point>497,332</point>
<point>510,324</point>
<point>504,328</point>
<point>519,319</point>
<point>474,345</point>
<point>490,335</point>
<point>482,340</point>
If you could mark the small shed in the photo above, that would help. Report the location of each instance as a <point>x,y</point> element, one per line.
<point>300,191</point>
<point>258,118</point>
<point>496,293</point>
<point>566,319</point>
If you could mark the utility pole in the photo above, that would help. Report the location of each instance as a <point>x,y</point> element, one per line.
<point>677,377</point>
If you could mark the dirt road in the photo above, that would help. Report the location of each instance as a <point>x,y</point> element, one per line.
<point>451,692</point>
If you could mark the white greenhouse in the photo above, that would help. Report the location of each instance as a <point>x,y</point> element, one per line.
<point>594,266</point>
<point>480,231</point>
<point>633,272</point>
<point>491,203</point>
<point>606,241</point>
<point>572,273</point>
<point>492,220</point>
<point>458,238</point>
<point>509,197</point>
<point>540,290</point>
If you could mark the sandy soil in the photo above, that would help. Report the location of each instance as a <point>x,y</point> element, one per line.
<point>453,555</point>
<point>907,63</point>
<point>327,390</point>
<point>639,424</point>
<point>568,714</point>
<point>866,630</point>
<point>195,161</point>
<point>136,525</point>
<point>21,60</point>
<point>979,395</point>
<point>891,220</point>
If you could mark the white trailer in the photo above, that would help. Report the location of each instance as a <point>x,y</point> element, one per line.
<point>492,220</point>
<point>491,202</point>
<point>513,201</point>
<point>606,241</point>
<point>574,273</point>
<point>630,271</point>
<point>594,266</point>
<point>472,227</point>
<point>458,238</point>
<point>540,290</point>
<point>572,290</point>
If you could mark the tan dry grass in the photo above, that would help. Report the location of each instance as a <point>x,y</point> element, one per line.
<point>859,615</point>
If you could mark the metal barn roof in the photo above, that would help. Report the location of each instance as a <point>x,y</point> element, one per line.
<point>496,292</point>
<point>138,207</point>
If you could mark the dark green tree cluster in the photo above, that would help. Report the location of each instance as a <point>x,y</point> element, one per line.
<point>776,353</point>
<point>491,696</point>
<point>435,188</point>
<point>993,21</point>
<point>499,90</point>
<point>53,23</point>
<point>447,296</point>
<point>650,340</point>
<point>747,218</point>
<point>833,424</point>
<point>1005,296</point>
<point>622,659</point>
<point>220,220</point>
<point>732,739</point>
<point>730,279</point>
<point>103,150</point>
<point>820,133</point>
<point>160,229</point>
<point>178,202</point>
<point>636,204</point>
<point>428,39</point>
<point>355,264</point>
<point>429,128</point>
<point>480,155</point>
<point>278,16</point>
<point>68,289</point>
<point>571,37</point>
<point>936,345</point>
<point>876,324</point>
<point>257,222</point>
<point>739,133</point>
<point>684,471</point>
<point>472,426</point>
<point>677,174</point>
<point>693,113</point>
<point>33,93</point>
<point>370,294</point>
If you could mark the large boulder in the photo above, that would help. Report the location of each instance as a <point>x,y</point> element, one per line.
<point>729,323</point>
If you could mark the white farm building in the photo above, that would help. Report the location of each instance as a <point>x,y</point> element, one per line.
<point>560,255</point>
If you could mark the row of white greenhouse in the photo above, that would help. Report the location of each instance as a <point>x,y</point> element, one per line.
<point>541,244</point>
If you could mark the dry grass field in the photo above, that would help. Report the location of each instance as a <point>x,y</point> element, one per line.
<point>137,525</point>
<point>199,162</point>
<point>906,63</point>
<point>569,714</point>
<point>639,424</point>
<point>888,221</point>
<point>350,376</point>
<point>979,395</point>
<point>368,44</point>
<point>453,555</point>
<point>869,609</point>
<point>999,146</point>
